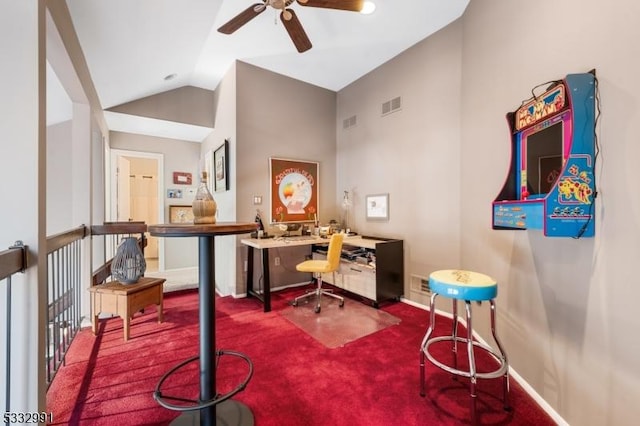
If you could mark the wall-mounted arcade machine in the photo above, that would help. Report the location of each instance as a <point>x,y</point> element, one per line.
<point>551,184</point>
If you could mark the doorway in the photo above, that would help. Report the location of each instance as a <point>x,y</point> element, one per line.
<point>137,195</point>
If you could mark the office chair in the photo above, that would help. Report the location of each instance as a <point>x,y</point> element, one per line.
<point>318,267</point>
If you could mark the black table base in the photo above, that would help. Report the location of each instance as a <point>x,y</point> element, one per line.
<point>228,413</point>
<point>211,408</point>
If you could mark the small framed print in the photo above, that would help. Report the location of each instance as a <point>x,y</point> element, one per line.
<point>182,178</point>
<point>180,214</point>
<point>221,167</point>
<point>377,207</point>
<point>174,193</point>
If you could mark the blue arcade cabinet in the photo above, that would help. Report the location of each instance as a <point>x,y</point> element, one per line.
<point>551,184</point>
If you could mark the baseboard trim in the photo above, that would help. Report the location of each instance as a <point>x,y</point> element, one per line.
<point>517,377</point>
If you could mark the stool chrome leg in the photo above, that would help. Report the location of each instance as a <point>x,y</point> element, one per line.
<point>454,335</point>
<point>472,363</point>
<point>449,284</point>
<point>425,339</point>
<point>503,354</point>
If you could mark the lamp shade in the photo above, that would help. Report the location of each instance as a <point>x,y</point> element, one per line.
<point>128,264</point>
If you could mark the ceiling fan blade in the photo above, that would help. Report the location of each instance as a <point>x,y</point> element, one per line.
<point>295,30</point>
<point>242,18</point>
<point>351,5</point>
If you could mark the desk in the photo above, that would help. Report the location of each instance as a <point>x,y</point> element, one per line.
<point>264,244</point>
<point>125,299</point>
<point>207,411</point>
<point>376,284</point>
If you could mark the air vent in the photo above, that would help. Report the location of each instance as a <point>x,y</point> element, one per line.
<point>393,105</point>
<point>349,122</point>
<point>420,284</point>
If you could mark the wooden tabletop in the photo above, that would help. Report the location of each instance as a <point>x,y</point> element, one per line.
<point>191,230</point>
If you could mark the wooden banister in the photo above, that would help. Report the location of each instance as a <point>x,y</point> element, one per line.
<point>109,228</point>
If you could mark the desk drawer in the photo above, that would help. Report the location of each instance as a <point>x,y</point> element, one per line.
<point>359,279</point>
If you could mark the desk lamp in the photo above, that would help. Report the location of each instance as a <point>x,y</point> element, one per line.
<point>346,207</point>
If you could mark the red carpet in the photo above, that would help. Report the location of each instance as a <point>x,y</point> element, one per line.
<point>297,380</point>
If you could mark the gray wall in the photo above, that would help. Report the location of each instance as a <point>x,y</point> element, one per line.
<point>98,142</point>
<point>227,249</point>
<point>566,307</point>
<point>180,156</point>
<point>23,193</point>
<point>281,117</point>
<point>59,168</point>
<point>412,154</point>
<point>187,104</point>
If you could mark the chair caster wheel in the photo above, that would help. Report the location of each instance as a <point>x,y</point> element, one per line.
<point>294,303</point>
<point>317,309</point>
<point>341,304</point>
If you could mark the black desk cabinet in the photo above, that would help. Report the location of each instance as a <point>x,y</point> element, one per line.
<point>376,284</point>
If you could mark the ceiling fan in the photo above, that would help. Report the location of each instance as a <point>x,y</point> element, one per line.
<point>288,17</point>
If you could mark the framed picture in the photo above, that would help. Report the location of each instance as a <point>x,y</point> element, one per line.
<point>182,178</point>
<point>377,207</point>
<point>221,167</point>
<point>294,190</point>
<point>180,214</point>
<point>174,193</point>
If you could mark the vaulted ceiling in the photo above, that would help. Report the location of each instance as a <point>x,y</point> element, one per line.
<point>131,47</point>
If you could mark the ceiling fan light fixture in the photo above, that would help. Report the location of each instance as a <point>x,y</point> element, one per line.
<point>289,18</point>
<point>368,8</point>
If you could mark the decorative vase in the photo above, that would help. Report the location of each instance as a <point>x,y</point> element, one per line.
<point>204,206</point>
<point>128,264</point>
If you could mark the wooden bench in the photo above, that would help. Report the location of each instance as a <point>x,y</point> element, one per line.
<point>125,300</point>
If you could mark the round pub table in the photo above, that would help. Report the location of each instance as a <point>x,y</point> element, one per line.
<point>210,409</point>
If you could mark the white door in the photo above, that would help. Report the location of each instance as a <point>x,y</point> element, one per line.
<point>144,207</point>
<point>123,189</point>
<point>120,205</point>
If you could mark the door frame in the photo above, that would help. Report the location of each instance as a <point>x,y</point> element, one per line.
<point>113,187</point>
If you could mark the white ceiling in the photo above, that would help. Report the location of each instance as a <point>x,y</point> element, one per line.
<point>130,46</point>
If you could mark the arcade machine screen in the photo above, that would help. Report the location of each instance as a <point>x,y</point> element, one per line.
<point>543,159</point>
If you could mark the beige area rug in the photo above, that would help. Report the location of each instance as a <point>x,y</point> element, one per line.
<point>335,326</point>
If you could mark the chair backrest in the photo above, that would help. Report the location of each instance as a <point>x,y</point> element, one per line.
<point>335,250</point>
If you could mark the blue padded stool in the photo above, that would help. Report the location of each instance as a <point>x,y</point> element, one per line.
<point>470,287</point>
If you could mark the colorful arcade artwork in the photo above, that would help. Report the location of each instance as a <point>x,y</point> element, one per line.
<point>550,184</point>
<point>294,190</point>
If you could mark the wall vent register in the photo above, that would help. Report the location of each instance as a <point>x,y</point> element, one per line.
<point>420,284</point>
<point>393,105</point>
<point>349,122</point>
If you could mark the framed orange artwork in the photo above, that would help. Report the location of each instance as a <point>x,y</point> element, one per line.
<point>294,190</point>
